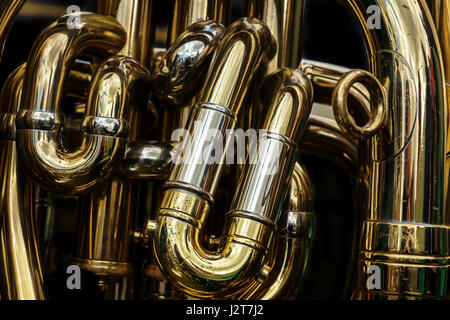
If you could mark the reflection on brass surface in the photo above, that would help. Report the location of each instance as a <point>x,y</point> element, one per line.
<point>39,121</point>
<point>93,110</point>
<point>405,171</point>
<point>181,70</point>
<point>184,14</point>
<point>108,213</point>
<point>20,267</point>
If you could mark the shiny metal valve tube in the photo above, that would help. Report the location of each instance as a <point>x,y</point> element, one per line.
<point>188,194</point>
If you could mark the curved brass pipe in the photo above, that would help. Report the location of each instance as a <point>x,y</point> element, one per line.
<point>39,121</point>
<point>323,135</point>
<point>405,173</point>
<point>285,267</point>
<point>188,194</point>
<point>181,69</point>
<point>185,13</point>
<point>122,83</point>
<point>8,11</point>
<point>136,17</point>
<point>20,267</point>
<point>108,213</point>
<point>254,210</point>
<point>285,20</point>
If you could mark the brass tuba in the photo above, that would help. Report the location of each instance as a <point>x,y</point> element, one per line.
<point>179,149</point>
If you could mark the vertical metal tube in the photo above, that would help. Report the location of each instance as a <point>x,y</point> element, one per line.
<point>287,261</point>
<point>109,212</point>
<point>285,20</point>
<point>20,265</point>
<point>440,10</point>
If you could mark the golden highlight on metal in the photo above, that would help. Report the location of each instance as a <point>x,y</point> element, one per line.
<point>89,133</point>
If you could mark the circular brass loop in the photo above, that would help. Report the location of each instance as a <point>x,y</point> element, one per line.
<point>378,104</point>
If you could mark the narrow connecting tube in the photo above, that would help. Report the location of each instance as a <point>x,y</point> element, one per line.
<point>20,266</point>
<point>124,83</point>
<point>188,194</point>
<point>39,122</point>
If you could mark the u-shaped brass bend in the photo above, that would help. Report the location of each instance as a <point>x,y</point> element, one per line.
<point>188,194</point>
<point>39,122</point>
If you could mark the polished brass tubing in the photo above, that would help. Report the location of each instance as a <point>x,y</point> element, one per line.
<point>285,267</point>
<point>109,211</point>
<point>325,77</point>
<point>188,194</point>
<point>187,12</point>
<point>136,17</point>
<point>403,229</point>
<point>440,10</point>
<point>256,204</point>
<point>104,237</point>
<point>8,11</point>
<point>184,14</point>
<point>20,265</point>
<point>144,160</point>
<point>39,122</point>
<point>121,82</point>
<point>323,135</point>
<point>284,19</point>
<point>182,68</point>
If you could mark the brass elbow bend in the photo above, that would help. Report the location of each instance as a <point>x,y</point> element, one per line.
<point>39,122</point>
<point>188,194</point>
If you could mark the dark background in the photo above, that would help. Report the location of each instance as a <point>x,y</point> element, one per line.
<point>331,35</point>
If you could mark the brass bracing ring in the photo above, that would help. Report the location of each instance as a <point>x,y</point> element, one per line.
<point>378,104</point>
